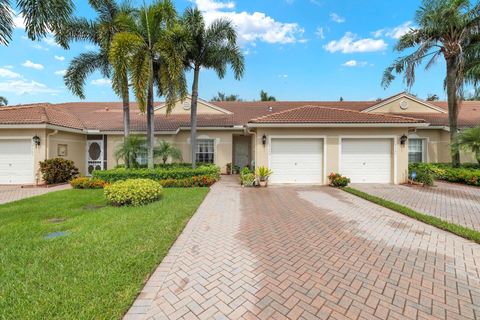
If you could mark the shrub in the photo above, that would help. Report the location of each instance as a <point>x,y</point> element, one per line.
<point>87,183</point>
<point>248,179</point>
<point>203,181</point>
<point>337,180</point>
<point>263,173</point>
<point>133,192</point>
<point>466,174</point>
<point>58,170</point>
<point>157,174</point>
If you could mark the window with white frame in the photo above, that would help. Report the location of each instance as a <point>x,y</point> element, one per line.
<point>205,150</point>
<point>142,158</point>
<point>416,150</point>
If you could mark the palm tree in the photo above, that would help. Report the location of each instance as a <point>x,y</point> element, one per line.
<point>265,97</point>
<point>469,140</point>
<point>213,47</point>
<point>151,49</point>
<point>223,97</point>
<point>448,28</point>
<point>3,101</point>
<point>41,17</point>
<point>166,150</point>
<point>99,32</point>
<point>131,148</point>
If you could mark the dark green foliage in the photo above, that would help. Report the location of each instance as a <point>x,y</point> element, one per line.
<point>337,180</point>
<point>434,221</point>
<point>202,181</point>
<point>58,170</point>
<point>465,174</point>
<point>171,172</point>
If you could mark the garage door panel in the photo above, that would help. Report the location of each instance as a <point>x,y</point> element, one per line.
<point>296,160</point>
<point>367,160</point>
<point>16,162</point>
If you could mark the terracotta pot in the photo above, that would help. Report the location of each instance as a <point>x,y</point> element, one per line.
<point>263,183</point>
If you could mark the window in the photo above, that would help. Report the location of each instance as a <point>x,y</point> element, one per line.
<point>205,150</point>
<point>142,158</point>
<point>415,150</point>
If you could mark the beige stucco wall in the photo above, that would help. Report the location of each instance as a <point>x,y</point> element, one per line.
<point>76,144</point>
<point>438,146</point>
<point>333,145</point>
<point>223,145</point>
<point>203,107</point>
<point>413,106</point>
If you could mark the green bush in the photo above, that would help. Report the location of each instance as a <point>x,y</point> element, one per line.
<point>58,170</point>
<point>203,181</point>
<point>466,174</point>
<point>337,180</point>
<point>248,179</point>
<point>157,174</point>
<point>134,192</point>
<point>87,183</point>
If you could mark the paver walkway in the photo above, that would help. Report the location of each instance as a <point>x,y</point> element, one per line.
<point>310,253</point>
<point>455,203</point>
<point>13,193</point>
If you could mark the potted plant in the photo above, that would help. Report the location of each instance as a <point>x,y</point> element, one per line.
<point>263,173</point>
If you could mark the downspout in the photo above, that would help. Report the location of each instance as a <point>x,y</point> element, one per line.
<point>247,131</point>
<point>47,144</point>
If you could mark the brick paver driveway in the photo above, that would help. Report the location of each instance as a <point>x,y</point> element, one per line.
<point>13,193</point>
<point>309,253</point>
<point>455,203</point>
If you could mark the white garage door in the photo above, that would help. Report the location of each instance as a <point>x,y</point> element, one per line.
<point>367,160</point>
<point>16,162</point>
<point>298,160</point>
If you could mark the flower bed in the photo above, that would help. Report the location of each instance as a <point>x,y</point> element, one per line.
<point>465,174</point>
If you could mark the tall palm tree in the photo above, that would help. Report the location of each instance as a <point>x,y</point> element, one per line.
<point>40,17</point>
<point>213,47</point>
<point>99,32</point>
<point>448,29</point>
<point>469,140</point>
<point>151,49</point>
<point>265,97</point>
<point>3,101</point>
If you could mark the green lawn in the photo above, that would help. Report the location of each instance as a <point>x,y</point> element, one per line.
<point>96,271</point>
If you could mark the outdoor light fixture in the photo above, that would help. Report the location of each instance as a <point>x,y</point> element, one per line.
<point>264,139</point>
<point>403,139</point>
<point>36,140</point>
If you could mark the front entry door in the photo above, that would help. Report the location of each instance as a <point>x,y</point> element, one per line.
<point>241,149</point>
<point>94,156</point>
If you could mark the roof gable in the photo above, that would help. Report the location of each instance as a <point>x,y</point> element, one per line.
<point>404,103</point>
<point>183,107</point>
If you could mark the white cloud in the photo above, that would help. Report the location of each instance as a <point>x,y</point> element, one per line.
<point>51,41</point>
<point>336,18</point>
<point>18,21</point>
<point>21,87</point>
<point>283,76</point>
<point>101,82</point>
<point>320,33</point>
<point>251,27</point>
<point>39,47</point>
<point>7,73</point>
<point>395,33</point>
<point>59,58</point>
<point>354,63</point>
<point>30,64</point>
<point>8,66</point>
<point>60,72</point>
<point>350,43</point>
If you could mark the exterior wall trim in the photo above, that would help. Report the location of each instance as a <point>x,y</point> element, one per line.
<point>323,137</point>
<point>395,150</point>
<point>337,125</point>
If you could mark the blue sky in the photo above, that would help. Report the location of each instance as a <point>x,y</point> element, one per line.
<point>294,49</point>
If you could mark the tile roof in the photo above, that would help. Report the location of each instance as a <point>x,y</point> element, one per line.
<point>107,116</point>
<point>321,114</point>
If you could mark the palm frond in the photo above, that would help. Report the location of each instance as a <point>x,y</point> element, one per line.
<point>6,22</point>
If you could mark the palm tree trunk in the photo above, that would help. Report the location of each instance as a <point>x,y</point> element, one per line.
<point>193,116</point>
<point>126,123</point>
<point>150,119</point>
<point>453,107</point>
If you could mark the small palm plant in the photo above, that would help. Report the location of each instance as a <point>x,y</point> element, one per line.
<point>469,140</point>
<point>132,147</point>
<point>263,173</point>
<point>166,150</point>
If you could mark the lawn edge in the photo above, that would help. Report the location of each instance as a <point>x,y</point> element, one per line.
<point>456,229</point>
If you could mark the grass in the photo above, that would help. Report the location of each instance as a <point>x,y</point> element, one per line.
<point>96,271</point>
<point>459,230</point>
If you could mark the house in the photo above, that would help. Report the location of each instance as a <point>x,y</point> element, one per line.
<point>301,141</point>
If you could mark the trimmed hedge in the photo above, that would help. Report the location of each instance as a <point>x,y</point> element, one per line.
<point>133,192</point>
<point>87,183</point>
<point>204,181</point>
<point>157,174</point>
<point>465,174</point>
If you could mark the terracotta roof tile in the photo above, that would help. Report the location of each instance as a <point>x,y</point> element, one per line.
<point>321,114</point>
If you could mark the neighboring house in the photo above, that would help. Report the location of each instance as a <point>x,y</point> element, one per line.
<point>301,141</point>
